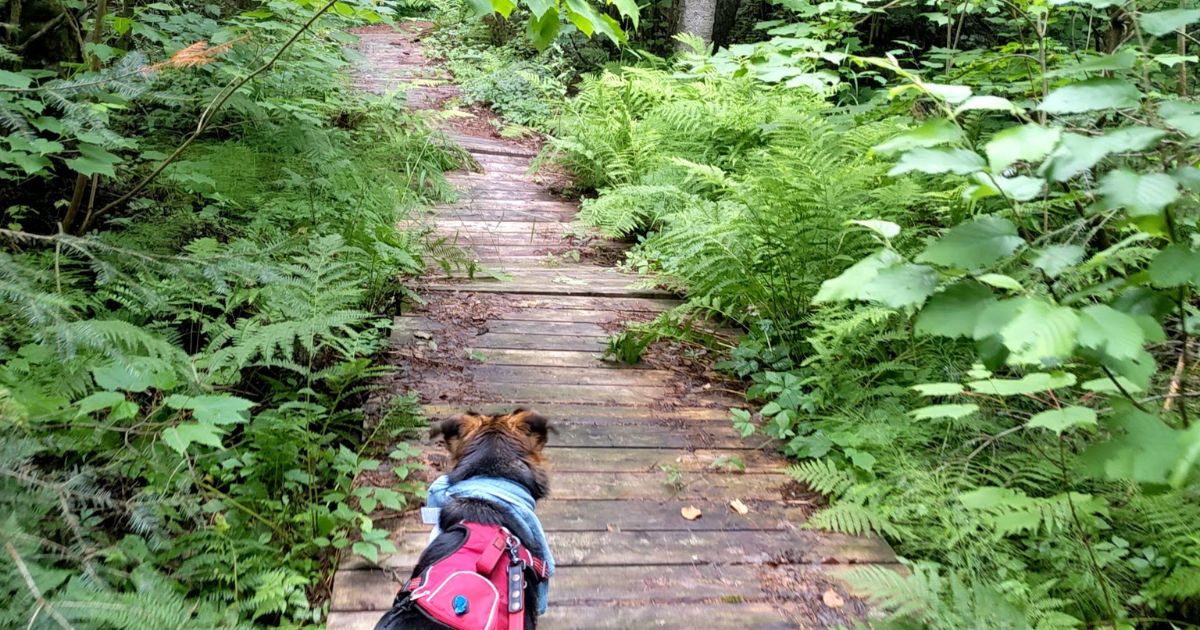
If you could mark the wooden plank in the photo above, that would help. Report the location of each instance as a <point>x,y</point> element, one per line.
<point>599,414</point>
<point>571,459</point>
<point>418,322</point>
<point>563,358</point>
<point>661,486</point>
<point>571,376</point>
<point>639,435</point>
<point>510,341</point>
<point>628,395</point>
<point>593,316</point>
<point>649,548</point>
<point>548,288</point>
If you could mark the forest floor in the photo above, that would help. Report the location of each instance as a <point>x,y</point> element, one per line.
<point>635,447</point>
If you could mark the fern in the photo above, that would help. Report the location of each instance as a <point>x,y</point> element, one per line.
<point>822,475</point>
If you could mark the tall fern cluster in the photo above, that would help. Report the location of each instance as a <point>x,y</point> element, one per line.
<point>181,391</point>
<point>740,193</point>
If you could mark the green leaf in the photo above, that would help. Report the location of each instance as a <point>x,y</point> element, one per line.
<point>481,8</point>
<point>1000,281</point>
<point>1121,60</point>
<point>1143,448</point>
<point>987,103</point>
<point>934,412</point>
<point>1035,383</point>
<point>1077,153</point>
<point>366,550</point>
<point>343,9</point>
<point>937,161</point>
<point>900,286</point>
<point>1163,22</point>
<point>1059,420</point>
<point>931,133</point>
<point>849,284</point>
<point>974,244</point>
<point>886,229</point>
<point>1095,4</point>
<point>1040,333</point>
<point>15,80</point>
<point>955,311</point>
<point>1117,334</point>
<point>1053,260</point>
<point>950,93</point>
<point>1091,95</point>
<point>542,30</point>
<point>135,375</point>
<point>215,409</point>
<point>1140,194</point>
<point>93,160</point>
<point>1026,143</point>
<point>180,437</point>
<point>938,389</point>
<point>1176,265</point>
<point>1181,116</point>
<point>628,9</point>
<point>1019,188</point>
<point>1106,386</point>
<point>98,401</point>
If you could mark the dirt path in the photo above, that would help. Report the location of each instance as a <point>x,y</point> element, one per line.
<point>635,445</point>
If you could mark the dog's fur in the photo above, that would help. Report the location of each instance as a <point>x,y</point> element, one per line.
<point>509,446</point>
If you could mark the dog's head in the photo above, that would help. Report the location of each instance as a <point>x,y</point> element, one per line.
<point>506,445</point>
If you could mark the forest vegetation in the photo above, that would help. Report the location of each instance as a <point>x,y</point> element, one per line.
<point>960,237</point>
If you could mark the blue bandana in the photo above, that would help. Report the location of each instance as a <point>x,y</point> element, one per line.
<point>510,497</point>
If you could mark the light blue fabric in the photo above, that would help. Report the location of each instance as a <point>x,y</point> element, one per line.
<point>513,499</point>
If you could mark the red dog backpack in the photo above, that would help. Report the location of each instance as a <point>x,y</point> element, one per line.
<point>481,585</point>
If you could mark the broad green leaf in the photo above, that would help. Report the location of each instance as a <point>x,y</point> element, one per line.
<point>484,7</point>
<point>955,311</point>
<point>937,161</point>
<point>1163,22</point>
<point>931,133</point>
<point>1140,194</point>
<point>215,409</point>
<point>93,160</point>
<point>952,94</point>
<point>1000,281</point>
<point>539,7</point>
<point>343,9</point>
<point>1077,153</point>
<point>181,436</point>
<point>1122,60</point>
<point>1053,260</point>
<point>1059,420</point>
<point>974,244</point>
<point>1176,265</point>
<point>135,375</point>
<point>1035,383</point>
<point>886,229</point>
<point>848,285</point>
<point>1026,143</point>
<point>504,7</point>
<point>1171,61</point>
<point>900,286</point>
<point>989,103</point>
<point>1142,448</point>
<point>98,401</point>
<point>1095,4</point>
<point>628,9</point>
<point>1107,386</point>
<point>1140,369</point>
<point>1040,333</point>
<point>15,80</point>
<point>1117,334</point>
<point>934,412</point>
<point>544,29</point>
<point>938,389</point>
<point>1181,116</point>
<point>28,162</point>
<point>1019,188</point>
<point>1091,95</point>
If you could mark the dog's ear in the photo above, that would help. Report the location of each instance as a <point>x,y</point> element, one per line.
<point>447,429</point>
<point>536,424</point>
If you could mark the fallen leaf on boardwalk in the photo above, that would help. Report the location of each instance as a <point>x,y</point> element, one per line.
<point>691,512</point>
<point>832,599</point>
<point>739,507</point>
<point>613,527</point>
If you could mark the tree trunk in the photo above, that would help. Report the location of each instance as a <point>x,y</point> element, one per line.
<point>723,22</point>
<point>696,18</point>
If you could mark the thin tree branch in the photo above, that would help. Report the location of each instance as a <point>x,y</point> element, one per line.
<point>33,588</point>
<point>206,117</point>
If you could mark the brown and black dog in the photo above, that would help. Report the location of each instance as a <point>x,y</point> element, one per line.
<point>506,446</point>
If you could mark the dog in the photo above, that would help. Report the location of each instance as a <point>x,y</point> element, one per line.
<point>497,474</point>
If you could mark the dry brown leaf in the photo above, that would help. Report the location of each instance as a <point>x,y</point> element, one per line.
<point>832,599</point>
<point>739,507</point>
<point>690,512</point>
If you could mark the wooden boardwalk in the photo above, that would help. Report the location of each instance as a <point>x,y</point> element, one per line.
<point>634,446</point>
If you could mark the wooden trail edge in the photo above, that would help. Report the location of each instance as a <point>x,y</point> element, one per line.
<point>635,445</point>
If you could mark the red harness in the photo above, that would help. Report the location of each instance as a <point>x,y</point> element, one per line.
<point>471,589</point>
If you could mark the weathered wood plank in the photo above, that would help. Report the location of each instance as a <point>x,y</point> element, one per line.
<point>548,288</point>
<point>511,341</point>
<point>602,617</point>
<point>600,414</point>
<point>550,358</point>
<point>650,548</point>
<point>570,375</point>
<point>571,459</point>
